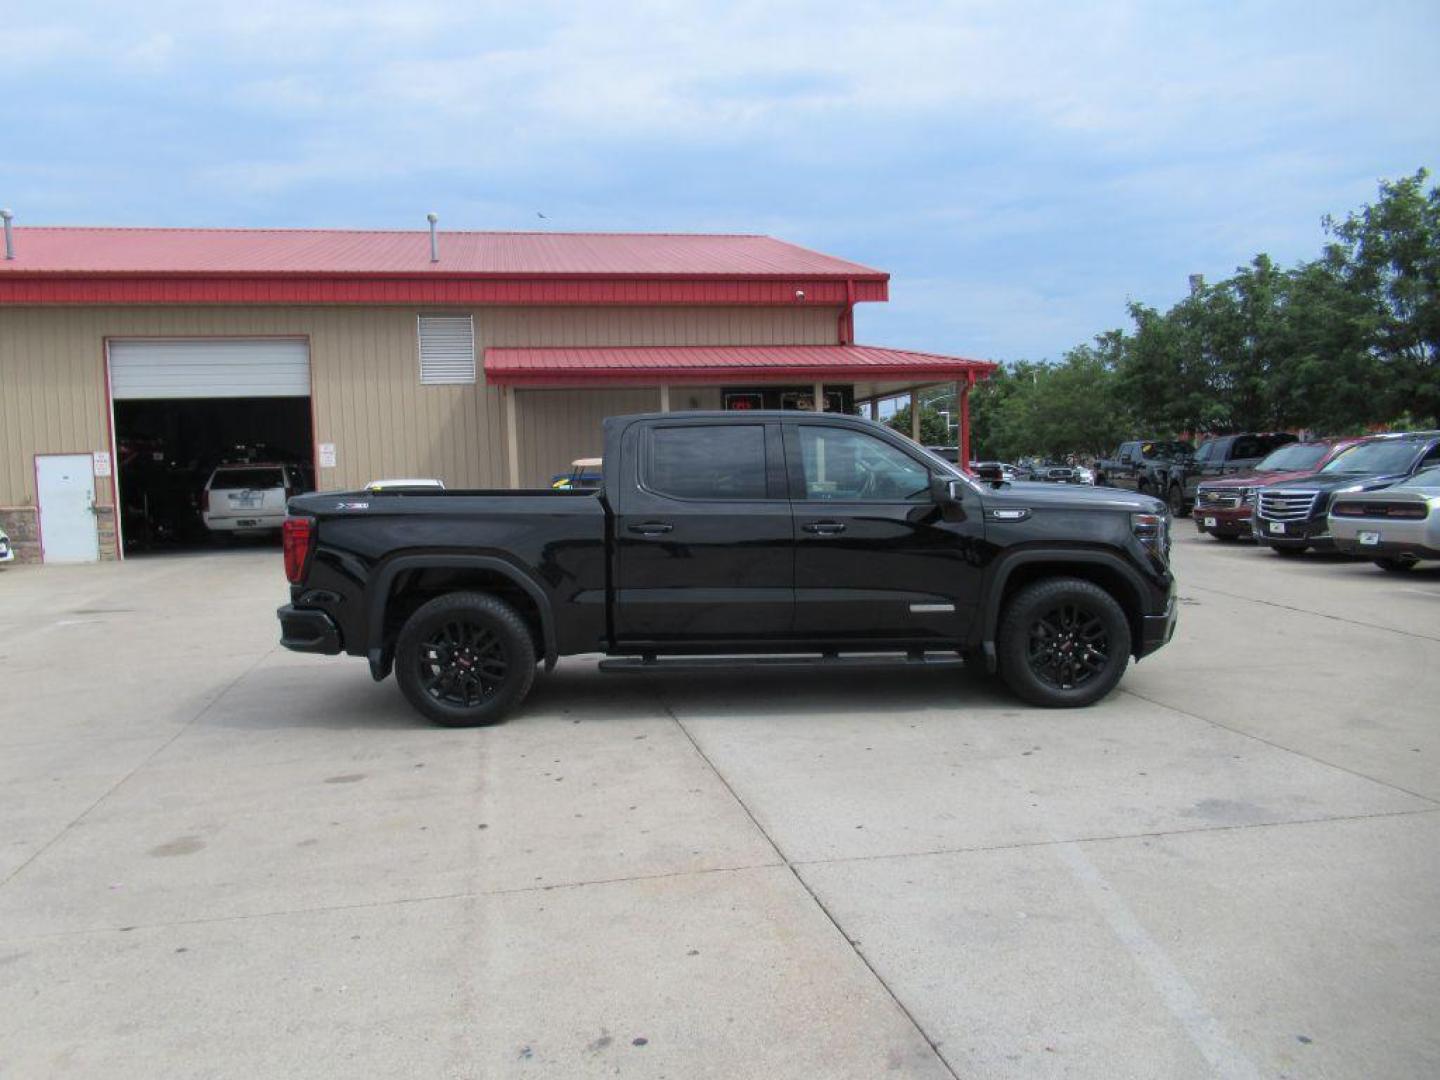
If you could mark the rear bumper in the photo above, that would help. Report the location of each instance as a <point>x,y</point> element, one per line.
<point>1157,630</point>
<point>1387,549</point>
<point>308,630</point>
<point>258,521</point>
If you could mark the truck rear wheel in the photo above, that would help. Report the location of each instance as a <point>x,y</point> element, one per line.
<point>464,659</point>
<point>1063,642</point>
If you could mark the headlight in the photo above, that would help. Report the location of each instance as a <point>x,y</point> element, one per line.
<point>1153,532</point>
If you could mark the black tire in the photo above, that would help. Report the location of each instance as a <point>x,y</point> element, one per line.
<point>1176,501</point>
<point>1080,614</point>
<point>1288,550</point>
<point>465,659</point>
<point>1399,564</point>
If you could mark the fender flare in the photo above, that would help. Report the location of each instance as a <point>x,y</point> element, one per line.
<point>378,595</point>
<point>1007,564</point>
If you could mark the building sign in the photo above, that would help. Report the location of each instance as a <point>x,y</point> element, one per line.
<point>102,462</point>
<point>839,398</point>
<point>327,455</point>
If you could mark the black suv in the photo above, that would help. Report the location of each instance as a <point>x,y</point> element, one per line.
<point>1291,516</point>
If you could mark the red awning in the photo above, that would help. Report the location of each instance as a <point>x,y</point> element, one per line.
<point>652,364</point>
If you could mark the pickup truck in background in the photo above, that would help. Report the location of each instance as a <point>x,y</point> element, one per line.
<point>775,537</point>
<point>1173,472</point>
<point>1142,466</point>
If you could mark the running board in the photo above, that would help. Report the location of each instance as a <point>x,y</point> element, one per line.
<point>632,665</point>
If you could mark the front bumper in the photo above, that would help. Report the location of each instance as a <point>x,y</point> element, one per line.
<point>308,630</point>
<point>1157,630</point>
<point>1229,521</point>
<point>1312,532</point>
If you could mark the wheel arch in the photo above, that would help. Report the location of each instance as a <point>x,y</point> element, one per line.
<point>404,583</point>
<point>1098,567</point>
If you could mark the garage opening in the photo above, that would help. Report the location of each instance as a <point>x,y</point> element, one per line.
<point>185,408</point>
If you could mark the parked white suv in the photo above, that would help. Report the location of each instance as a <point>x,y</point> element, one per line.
<point>247,499</point>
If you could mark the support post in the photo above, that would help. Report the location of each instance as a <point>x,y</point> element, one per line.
<point>915,415</point>
<point>512,438</point>
<point>962,394</point>
<point>819,397</point>
<point>874,409</point>
<point>665,397</point>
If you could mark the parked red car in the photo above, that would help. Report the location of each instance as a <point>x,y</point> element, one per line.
<point>1225,508</point>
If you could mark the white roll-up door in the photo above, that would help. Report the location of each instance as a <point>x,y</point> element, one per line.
<point>209,368</point>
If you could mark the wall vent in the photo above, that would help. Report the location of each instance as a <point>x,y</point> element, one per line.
<point>447,349</point>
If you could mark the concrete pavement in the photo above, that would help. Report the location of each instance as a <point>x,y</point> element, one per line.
<point>221,859</point>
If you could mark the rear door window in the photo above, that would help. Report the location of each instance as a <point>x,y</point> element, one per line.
<point>234,479</point>
<point>718,462</point>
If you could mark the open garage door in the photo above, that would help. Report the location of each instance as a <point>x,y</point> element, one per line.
<point>182,407</point>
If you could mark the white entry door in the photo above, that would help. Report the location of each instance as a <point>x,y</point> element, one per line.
<point>66,487</point>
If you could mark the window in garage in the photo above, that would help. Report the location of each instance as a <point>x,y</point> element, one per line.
<point>183,406</point>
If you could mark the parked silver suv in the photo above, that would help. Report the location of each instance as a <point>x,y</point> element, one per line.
<point>251,498</point>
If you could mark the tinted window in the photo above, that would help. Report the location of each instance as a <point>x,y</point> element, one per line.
<point>708,462</point>
<point>841,464</point>
<point>1375,458</point>
<point>1207,451</point>
<point>1295,457</point>
<point>228,479</point>
<point>1248,446</point>
<point>1165,449</point>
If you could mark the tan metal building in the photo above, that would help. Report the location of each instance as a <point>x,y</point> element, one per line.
<point>130,358</point>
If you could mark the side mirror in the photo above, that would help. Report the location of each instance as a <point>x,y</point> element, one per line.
<point>943,490</point>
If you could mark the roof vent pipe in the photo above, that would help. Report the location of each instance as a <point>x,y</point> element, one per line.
<point>9,234</point>
<point>434,241</point>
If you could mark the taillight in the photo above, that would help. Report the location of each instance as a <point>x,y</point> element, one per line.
<point>299,533</point>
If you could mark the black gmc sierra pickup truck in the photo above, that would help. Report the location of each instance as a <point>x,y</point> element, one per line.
<point>796,538</point>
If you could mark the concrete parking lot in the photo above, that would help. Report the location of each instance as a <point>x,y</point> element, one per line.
<point>222,859</point>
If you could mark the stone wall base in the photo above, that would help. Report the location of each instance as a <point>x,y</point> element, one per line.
<point>21,525</point>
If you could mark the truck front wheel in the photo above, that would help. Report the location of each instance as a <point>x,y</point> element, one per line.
<point>464,659</point>
<point>1063,642</point>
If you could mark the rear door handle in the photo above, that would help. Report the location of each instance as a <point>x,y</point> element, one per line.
<point>824,528</point>
<point>651,528</point>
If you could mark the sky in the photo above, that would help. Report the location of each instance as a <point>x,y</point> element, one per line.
<point>1022,170</point>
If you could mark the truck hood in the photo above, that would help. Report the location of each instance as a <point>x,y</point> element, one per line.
<point>1072,497</point>
<point>1256,478</point>
<point>1333,482</point>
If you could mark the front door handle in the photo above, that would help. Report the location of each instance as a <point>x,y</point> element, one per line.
<point>825,528</point>
<point>651,528</point>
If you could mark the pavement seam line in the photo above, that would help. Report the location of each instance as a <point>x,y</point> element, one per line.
<point>327,909</point>
<point>820,904</point>
<point>1279,746</point>
<point>1311,611</point>
<point>138,766</point>
<point>1203,830</point>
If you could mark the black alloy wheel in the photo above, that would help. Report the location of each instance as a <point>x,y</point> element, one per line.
<point>1068,646</point>
<point>464,659</point>
<point>463,663</point>
<point>1063,642</point>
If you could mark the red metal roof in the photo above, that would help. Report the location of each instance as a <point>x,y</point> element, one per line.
<point>652,364</point>
<point>327,253</point>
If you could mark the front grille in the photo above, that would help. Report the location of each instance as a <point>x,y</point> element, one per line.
<point>1287,505</point>
<point>1214,500</point>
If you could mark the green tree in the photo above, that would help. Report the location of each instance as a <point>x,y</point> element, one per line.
<point>1390,253</point>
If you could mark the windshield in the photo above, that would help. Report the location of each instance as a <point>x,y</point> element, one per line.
<point>1426,478</point>
<point>1376,458</point>
<point>1166,449</point>
<point>225,479</point>
<point>1294,457</point>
